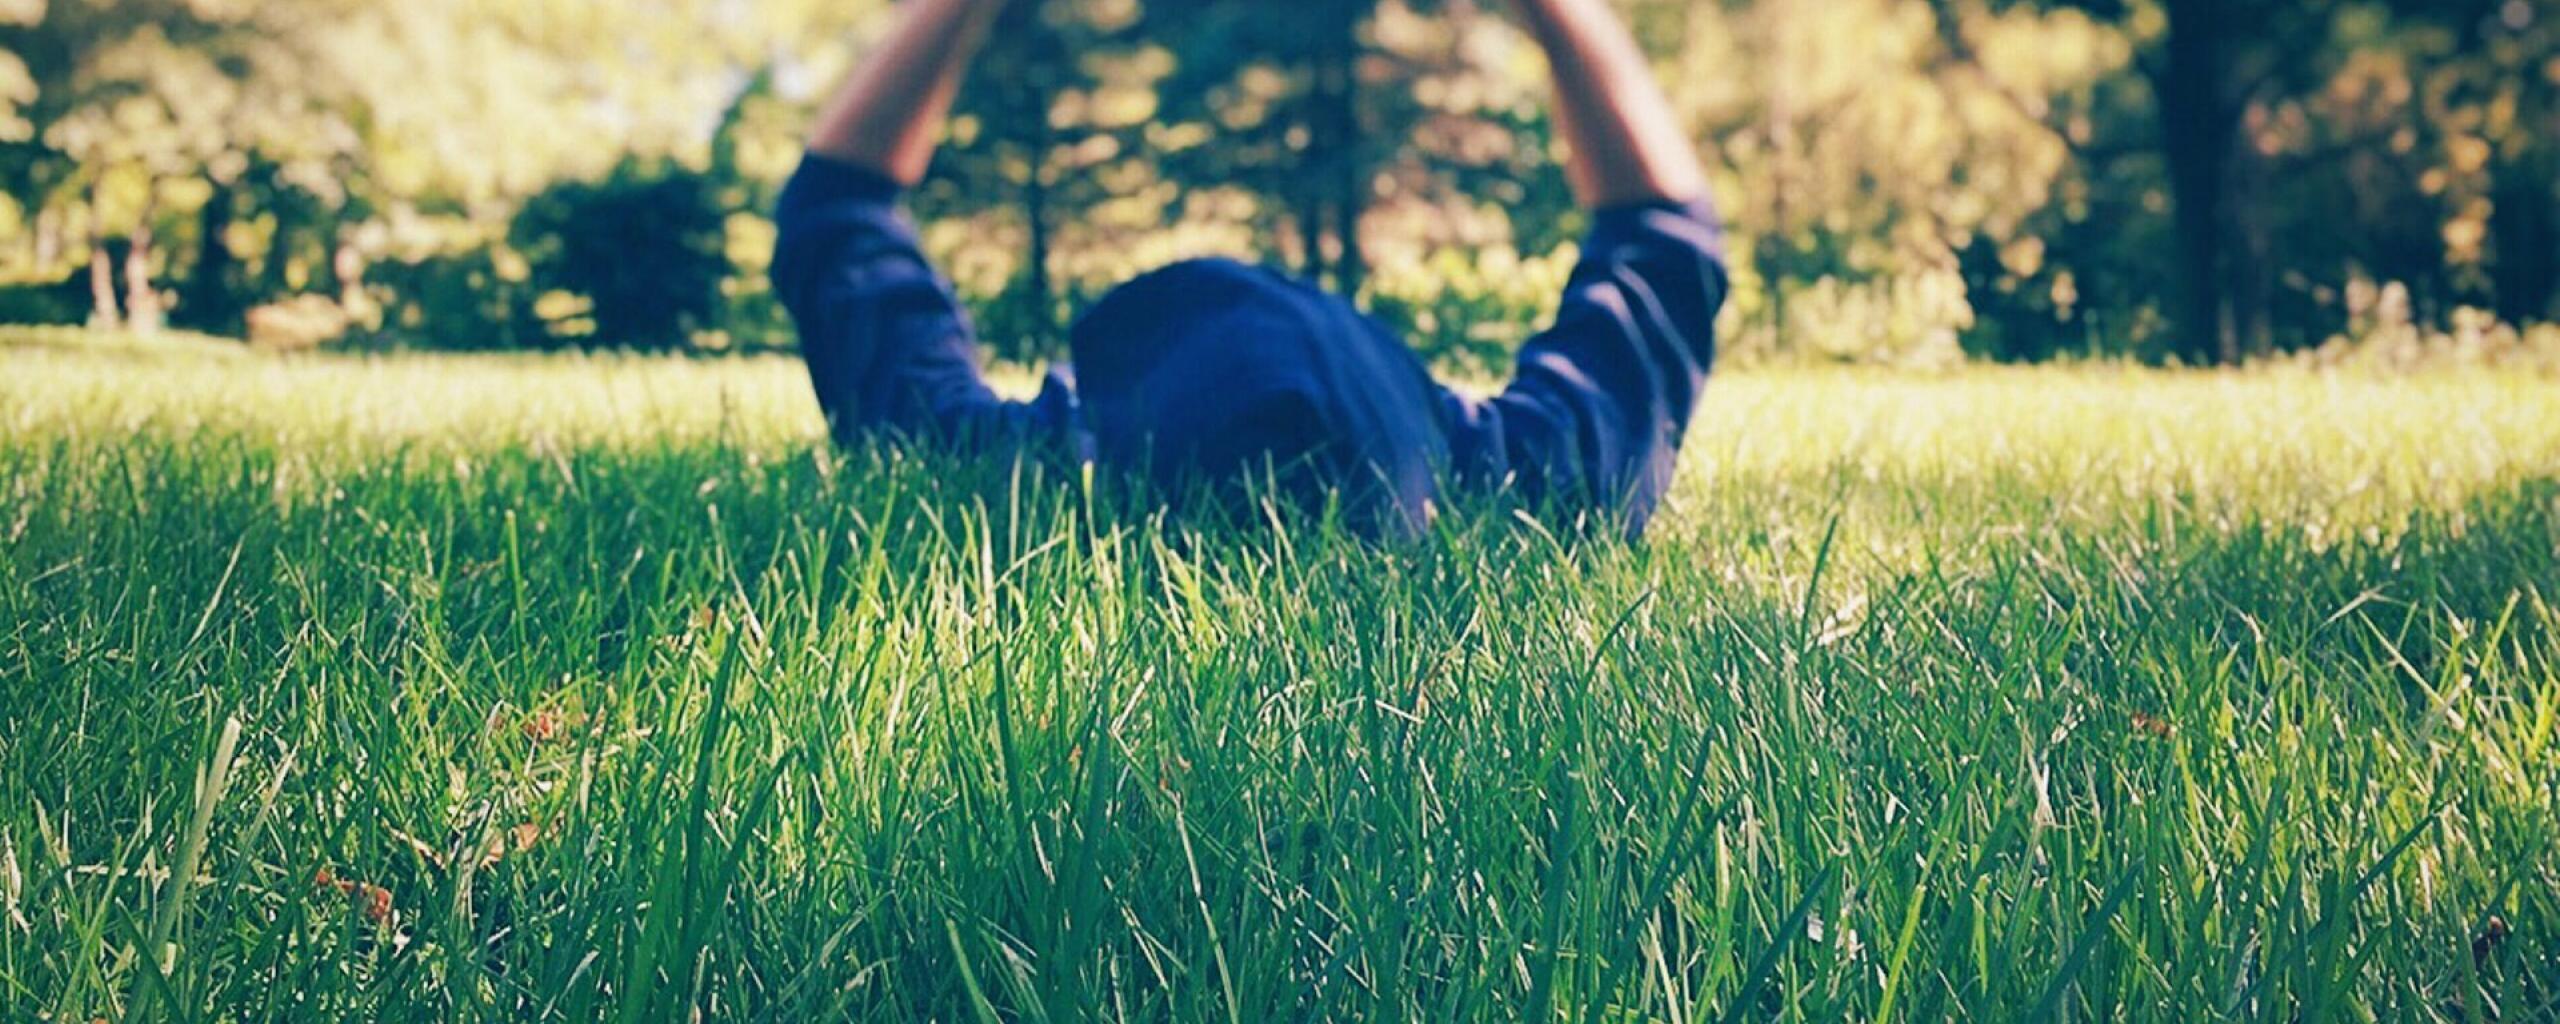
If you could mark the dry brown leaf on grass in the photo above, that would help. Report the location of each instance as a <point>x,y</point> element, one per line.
<point>548,724</point>
<point>373,899</point>
<point>517,840</point>
<point>2493,934</point>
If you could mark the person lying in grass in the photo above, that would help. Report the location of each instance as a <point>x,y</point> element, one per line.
<point>1215,368</point>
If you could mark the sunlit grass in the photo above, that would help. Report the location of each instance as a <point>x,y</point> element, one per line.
<point>578,688</point>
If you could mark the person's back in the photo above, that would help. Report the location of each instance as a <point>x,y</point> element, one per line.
<point>1212,366</point>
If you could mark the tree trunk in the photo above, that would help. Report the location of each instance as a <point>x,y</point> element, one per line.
<point>277,264</point>
<point>143,311</point>
<point>1035,215</point>
<point>48,240</point>
<point>1341,111</point>
<point>1350,266</point>
<point>346,263</point>
<point>2251,290</point>
<point>209,303</point>
<point>2197,140</point>
<point>2524,225</point>
<point>1311,220</point>
<point>104,314</point>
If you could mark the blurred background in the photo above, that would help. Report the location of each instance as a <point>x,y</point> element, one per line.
<point>1908,182</point>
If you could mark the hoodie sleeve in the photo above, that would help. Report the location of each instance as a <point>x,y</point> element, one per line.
<point>1599,400</point>
<point>887,343</point>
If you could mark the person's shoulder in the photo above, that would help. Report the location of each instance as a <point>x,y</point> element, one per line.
<point>824,182</point>
<point>1691,225</point>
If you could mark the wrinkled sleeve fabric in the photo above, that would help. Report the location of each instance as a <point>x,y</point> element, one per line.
<point>1599,401</point>
<point>888,345</point>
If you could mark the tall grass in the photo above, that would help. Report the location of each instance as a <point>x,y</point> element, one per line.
<point>578,689</point>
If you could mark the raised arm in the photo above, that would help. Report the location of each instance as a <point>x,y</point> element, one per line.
<point>888,118</point>
<point>1600,401</point>
<point>1626,145</point>
<point>888,345</point>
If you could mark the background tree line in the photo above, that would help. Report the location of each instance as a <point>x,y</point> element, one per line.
<point>1905,180</point>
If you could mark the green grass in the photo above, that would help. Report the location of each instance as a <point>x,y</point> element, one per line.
<point>2060,694</point>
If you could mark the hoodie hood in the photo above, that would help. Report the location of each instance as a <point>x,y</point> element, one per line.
<point>1213,366</point>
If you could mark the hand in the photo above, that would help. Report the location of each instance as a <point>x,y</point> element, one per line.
<point>889,117</point>
<point>1626,145</point>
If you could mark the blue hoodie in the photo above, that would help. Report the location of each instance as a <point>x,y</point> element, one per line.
<point>1213,365</point>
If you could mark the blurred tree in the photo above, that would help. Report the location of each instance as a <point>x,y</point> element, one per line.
<point>1278,84</point>
<point>2303,144</point>
<point>2491,95</point>
<point>251,149</point>
<point>1059,98</point>
<point>2176,177</point>
<point>2206,62</point>
<point>634,260</point>
<point>1857,163</point>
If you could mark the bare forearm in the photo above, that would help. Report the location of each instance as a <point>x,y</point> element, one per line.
<point>889,117</point>
<point>1626,145</point>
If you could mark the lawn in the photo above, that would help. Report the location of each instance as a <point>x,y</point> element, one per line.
<point>559,688</point>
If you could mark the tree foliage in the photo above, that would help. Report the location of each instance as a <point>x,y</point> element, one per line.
<point>640,255</point>
<point>1904,180</point>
